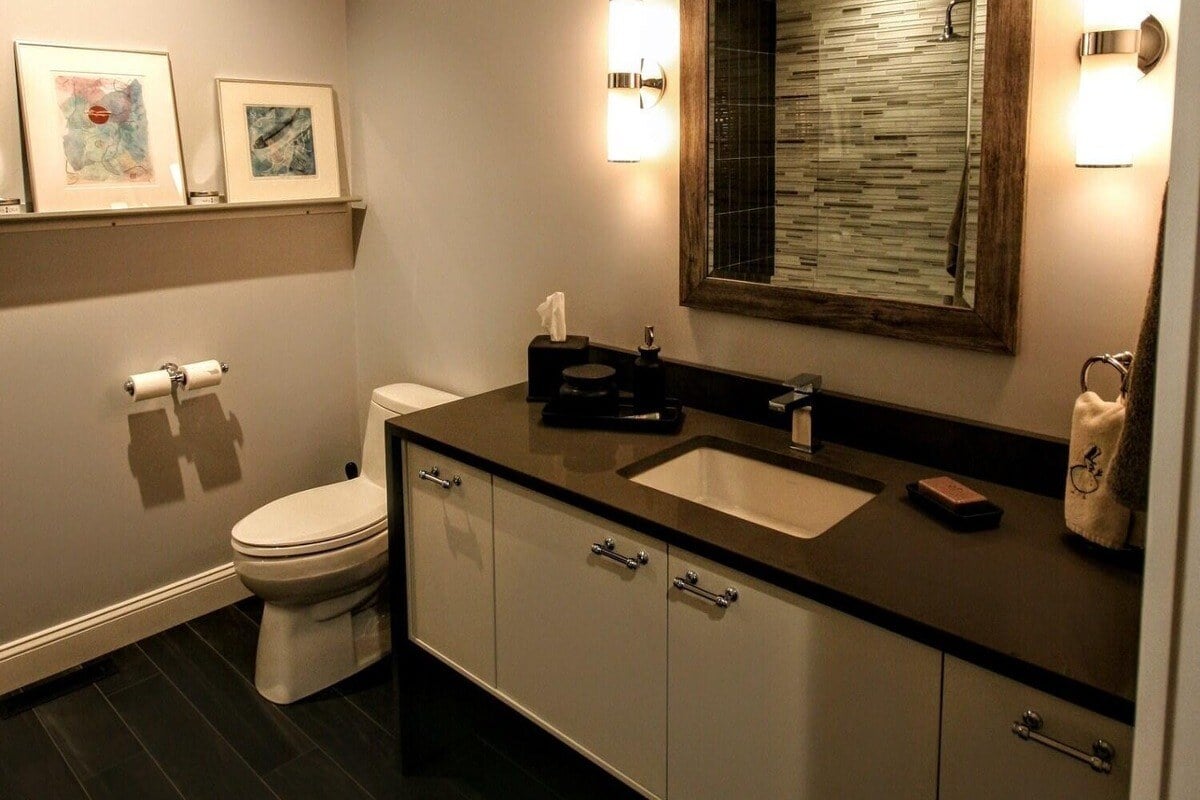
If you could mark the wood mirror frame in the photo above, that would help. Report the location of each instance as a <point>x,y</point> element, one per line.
<point>991,325</point>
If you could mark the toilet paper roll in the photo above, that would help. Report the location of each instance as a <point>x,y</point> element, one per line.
<point>151,384</point>
<point>202,374</point>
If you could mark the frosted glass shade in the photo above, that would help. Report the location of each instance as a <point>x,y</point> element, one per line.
<point>625,44</point>
<point>625,125</point>
<point>625,37</point>
<point>1104,125</point>
<point>1113,15</point>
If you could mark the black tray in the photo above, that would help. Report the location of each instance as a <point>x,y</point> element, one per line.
<point>626,419</point>
<point>981,519</point>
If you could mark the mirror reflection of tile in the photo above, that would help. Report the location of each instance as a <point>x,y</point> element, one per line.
<point>844,135</point>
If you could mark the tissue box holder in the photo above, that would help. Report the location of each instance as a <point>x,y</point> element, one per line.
<point>548,359</point>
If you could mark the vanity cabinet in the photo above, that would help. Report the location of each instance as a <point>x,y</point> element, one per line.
<point>581,630</point>
<point>771,695</point>
<point>688,679</point>
<point>984,759</point>
<point>448,509</point>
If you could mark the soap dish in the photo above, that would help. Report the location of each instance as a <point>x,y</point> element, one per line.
<point>985,516</point>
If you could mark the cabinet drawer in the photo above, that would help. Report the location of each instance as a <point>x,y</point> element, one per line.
<point>982,759</point>
<point>581,637</point>
<point>450,562</point>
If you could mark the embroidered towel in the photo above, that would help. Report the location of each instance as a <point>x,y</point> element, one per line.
<point>1091,510</point>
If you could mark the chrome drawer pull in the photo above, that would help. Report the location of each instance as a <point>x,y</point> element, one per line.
<point>432,477</point>
<point>607,550</point>
<point>1101,756</point>
<point>688,584</point>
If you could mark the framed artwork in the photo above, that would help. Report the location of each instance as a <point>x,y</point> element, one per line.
<point>100,128</point>
<point>280,141</point>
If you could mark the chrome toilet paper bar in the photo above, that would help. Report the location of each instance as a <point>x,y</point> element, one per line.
<point>178,378</point>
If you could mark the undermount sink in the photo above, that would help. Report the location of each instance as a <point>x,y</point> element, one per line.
<point>776,491</point>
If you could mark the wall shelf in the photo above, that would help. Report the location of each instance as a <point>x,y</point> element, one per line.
<point>113,218</point>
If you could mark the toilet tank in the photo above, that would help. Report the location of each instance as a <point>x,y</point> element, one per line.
<point>387,402</point>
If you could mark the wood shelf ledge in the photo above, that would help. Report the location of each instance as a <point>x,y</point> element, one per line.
<point>112,218</point>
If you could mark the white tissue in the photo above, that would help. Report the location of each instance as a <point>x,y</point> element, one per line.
<point>554,316</point>
<point>151,384</point>
<point>201,374</point>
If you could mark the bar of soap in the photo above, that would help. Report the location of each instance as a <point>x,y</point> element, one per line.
<point>952,495</point>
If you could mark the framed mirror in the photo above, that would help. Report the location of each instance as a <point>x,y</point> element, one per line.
<point>857,164</point>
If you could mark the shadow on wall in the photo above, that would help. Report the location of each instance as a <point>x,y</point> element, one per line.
<point>206,439</point>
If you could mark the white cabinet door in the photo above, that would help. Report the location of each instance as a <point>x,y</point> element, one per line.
<point>982,759</point>
<point>581,639</point>
<point>450,568</point>
<point>776,696</point>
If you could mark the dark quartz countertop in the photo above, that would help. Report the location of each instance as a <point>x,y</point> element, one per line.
<point>1023,599</point>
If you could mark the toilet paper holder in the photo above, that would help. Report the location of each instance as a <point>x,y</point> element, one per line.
<point>177,376</point>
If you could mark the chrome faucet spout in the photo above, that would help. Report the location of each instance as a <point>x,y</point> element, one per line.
<point>803,389</point>
<point>790,401</point>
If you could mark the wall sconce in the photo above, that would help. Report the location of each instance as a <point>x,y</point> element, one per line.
<point>635,83</point>
<point>1120,44</point>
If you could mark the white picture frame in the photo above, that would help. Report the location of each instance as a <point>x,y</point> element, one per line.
<point>279,140</point>
<point>100,128</point>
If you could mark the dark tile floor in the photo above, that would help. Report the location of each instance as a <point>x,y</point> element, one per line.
<point>181,719</point>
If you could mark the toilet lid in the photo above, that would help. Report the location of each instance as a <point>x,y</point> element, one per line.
<point>314,520</point>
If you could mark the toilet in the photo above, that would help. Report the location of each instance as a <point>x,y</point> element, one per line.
<point>317,559</point>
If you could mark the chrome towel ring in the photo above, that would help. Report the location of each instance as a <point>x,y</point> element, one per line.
<point>1121,362</point>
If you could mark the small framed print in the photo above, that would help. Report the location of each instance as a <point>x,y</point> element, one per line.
<point>280,141</point>
<point>100,128</point>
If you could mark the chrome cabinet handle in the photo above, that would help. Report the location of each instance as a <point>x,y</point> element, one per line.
<point>432,477</point>
<point>608,551</point>
<point>1100,759</point>
<point>688,583</point>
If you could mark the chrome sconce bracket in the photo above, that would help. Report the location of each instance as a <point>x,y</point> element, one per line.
<point>651,82</point>
<point>1149,42</point>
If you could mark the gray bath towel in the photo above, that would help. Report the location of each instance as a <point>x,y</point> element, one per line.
<point>1129,478</point>
<point>954,234</point>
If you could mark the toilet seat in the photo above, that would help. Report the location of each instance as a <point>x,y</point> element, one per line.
<point>314,521</point>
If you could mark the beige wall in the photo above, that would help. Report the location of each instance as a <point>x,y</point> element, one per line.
<point>102,499</point>
<point>479,137</point>
<point>480,140</point>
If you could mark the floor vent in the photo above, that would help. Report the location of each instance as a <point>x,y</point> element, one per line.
<point>47,689</point>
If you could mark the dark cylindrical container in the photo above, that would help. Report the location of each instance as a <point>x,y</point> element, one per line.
<point>590,389</point>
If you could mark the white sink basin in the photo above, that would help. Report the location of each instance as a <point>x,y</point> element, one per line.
<point>782,493</point>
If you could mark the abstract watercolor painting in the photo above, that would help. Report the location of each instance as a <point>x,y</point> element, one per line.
<point>106,135</point>
<point>99,128</point>
<point>281,141</point>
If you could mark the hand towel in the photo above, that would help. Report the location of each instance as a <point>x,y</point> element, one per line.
<point>1091,510</point>
<point>1131,464</point>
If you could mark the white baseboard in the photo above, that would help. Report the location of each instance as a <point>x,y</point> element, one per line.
<point>47,652</point>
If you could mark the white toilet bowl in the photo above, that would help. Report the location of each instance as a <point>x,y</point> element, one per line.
<point>317,559</point>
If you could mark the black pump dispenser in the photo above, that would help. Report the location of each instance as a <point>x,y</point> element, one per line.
<point>649,378</point>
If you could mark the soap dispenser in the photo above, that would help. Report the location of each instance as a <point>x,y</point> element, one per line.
<point>649,378</point>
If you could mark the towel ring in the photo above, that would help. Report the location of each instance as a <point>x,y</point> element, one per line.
<point>1121,362</point>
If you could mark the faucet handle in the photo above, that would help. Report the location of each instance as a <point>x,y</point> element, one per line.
<point>807,383</point>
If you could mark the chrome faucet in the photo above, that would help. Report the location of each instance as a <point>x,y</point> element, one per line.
<point>799,401</point>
